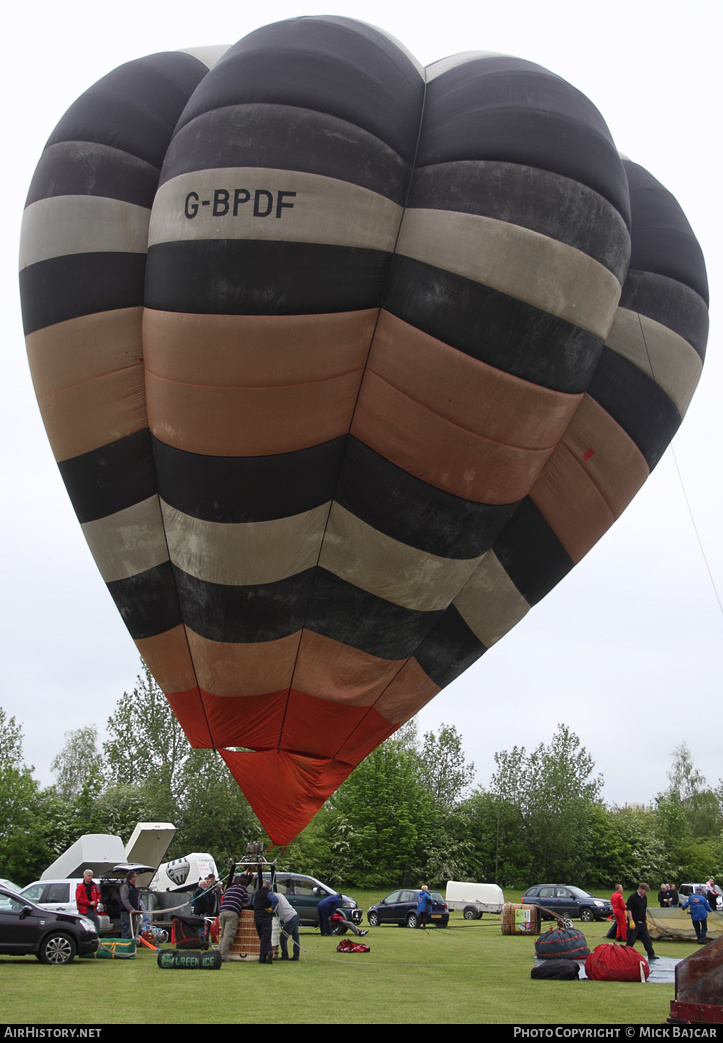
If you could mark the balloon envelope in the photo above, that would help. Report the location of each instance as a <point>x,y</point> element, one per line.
<point>345,364</point>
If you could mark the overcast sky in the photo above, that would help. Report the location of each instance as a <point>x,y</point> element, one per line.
<point>627,649</point>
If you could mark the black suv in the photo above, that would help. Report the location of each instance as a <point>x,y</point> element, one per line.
<point>566,900</point>
<point>28,930</point>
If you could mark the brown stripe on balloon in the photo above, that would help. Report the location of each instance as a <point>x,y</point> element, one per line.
<point>440,452</point>
<point>468,392</point>
<point>167,657</point>
<point>217,421</point>
<point>589,480</point>
<point>410,690</point>
<point>96,413</point>
<point>82,349</point>
<point>244,670</point>
<point>341,673</point>
<point>255,350</point>
<point>571,504</point>
<point>610,457</point>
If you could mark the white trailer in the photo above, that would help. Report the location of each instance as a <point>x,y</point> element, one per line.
<point>474,899</point>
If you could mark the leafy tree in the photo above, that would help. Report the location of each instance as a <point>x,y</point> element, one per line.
<point>701,806</point>
<point>21,834</point>
<point>555,796</point>
<point>443,766</point>
<point>146,748</point>
<point>382,819</point>
<point>213,813</point>
<point>674,833</point>
<point>78,762</point>
<point>685,779</point>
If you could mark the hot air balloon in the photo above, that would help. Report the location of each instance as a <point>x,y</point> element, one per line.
<point>345,363</point>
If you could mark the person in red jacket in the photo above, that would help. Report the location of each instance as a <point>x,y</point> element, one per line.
<point>87,898</point>
<point>620,913</point>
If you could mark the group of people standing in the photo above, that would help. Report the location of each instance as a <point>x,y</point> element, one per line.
<point>267,903</point>
<point>631,916</point>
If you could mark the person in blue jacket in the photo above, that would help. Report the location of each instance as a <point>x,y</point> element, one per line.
<point>699,909</point>
<point>326,907</point>
<point>425,905</point>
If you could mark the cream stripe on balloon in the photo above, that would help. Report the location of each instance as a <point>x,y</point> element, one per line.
<point>244,554</point>
<point>281,205</point>
<point>660,352</point>
<point>533,268</point>
<point>63,225</point>
<point>128,542</point>
<point>415,579</point>
<point>490,603</point>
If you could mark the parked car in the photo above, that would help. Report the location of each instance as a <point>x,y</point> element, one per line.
<point>28,930</point>
<point>59,895</point>
<point>305,893</point>
<point>400,907</point>
<point>9,885</point>
<point>566,900</point>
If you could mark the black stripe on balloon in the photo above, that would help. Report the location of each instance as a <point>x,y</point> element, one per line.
<point>505,108</point>
<point>409,510</point>
<point>546,203</point>
<point>333,65</point>
<point>501,331</point>
<point>637,403</point>
<point>71,168</point>
<point>247,489</point>
<point>279,278</point>
<point>343,612</point>
<point>134,108</point>
<point>531,554</point>
<point>284,138</point>
<point>112,478</point>
<point>68,287</point>
<point>147,602</point>
<point>670,303</point>
<point>262,488</point>
<point>449,649</point>
<point>663,241</point>
<point>243,614</point>
<point>314,599</point>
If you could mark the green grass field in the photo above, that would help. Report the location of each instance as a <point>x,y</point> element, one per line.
<point>467,973</point>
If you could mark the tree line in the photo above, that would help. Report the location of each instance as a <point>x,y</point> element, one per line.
<point>407,813</point>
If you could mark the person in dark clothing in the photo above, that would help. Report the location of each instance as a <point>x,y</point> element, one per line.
<point>424,907</point>
<point>130,904</point>
<point>699,909</point>
<point>637,906</point>
<point>325,908</point>
<point>235,899</point>
<point>263,918</point>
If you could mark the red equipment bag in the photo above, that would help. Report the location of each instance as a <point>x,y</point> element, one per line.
<point>347,945</point>
<point>616,963</point>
